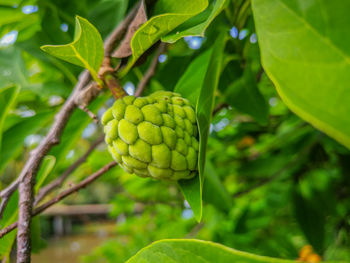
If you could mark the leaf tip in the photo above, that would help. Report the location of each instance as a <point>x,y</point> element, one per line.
<point>44,48</point>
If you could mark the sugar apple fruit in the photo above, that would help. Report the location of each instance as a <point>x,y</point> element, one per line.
<point>154,136</point>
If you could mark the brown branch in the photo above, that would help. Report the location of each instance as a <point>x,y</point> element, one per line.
<point>120,31</point>
<point>59,181</point>
<point>24,218</point>
<point>151,70</point>
<point>61,196</point>
<point>61,119</point>
<point>27,176</point>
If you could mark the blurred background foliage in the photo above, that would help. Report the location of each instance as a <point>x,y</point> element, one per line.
<point>273,183</point>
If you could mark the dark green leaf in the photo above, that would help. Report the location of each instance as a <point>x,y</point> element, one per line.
<point>214,191</point>
<point>245,96</point>
<point>310,220</point>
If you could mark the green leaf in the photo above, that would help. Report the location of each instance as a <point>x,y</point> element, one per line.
<point>245,96</point>
<point>7,98</point>
<point>311,221</point>
<point>37,242</point>
<point>214,191</point>
<point>197,25</point>
<point>190,83</point>
<point>11,61</point>
<point>107,14</point>
<point>10,15</point>
<point>192,250</point>
<point>13,138</point>
<point>307,57</point>
<point>169,14</point>
<point>45,169</point>
<point>86,50</point>
<point>9,216</point>
<point>192,189</point>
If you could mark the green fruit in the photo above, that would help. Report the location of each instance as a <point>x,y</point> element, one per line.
<point>154,136</point>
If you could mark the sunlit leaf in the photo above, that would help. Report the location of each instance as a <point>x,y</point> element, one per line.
<point>306,53</point>
<point>197,25</point>
<point>191,250</point>
<point>86,50</point>
<point>169,14</point>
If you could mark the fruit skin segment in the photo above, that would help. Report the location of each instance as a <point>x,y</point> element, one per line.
<point>154,136</point>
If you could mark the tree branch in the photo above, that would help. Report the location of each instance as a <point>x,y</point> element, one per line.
<point>120,31</point>
<point>24,219</point>
<point>151,70</point>
<point>61,119</point>
<point>59,181</point>
<point>61,196</point>
<point>27,176</point>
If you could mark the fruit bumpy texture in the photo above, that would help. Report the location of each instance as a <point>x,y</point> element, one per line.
<point>154,136</point>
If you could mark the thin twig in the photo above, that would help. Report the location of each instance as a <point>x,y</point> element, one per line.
<point>59,181</point>
<point>194,231</point>
<point>62,195</point>
<point>219,107</point>
<point>151,70</point>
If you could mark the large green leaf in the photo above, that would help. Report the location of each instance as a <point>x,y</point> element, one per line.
<point>190,83</point>
<point>193,188</point>
<point>305,48</point>
<point>7,98</point>
<point>244,95</point>
<point>191,250</point>
<point>13,138</point>
<point>86,50</point>
<point>169,14</point>
<point>197,25</point>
